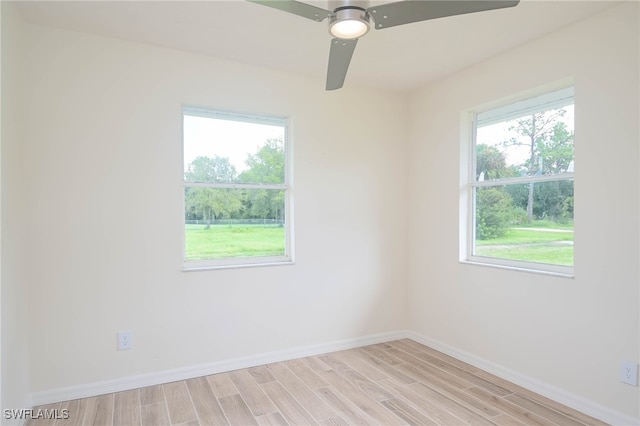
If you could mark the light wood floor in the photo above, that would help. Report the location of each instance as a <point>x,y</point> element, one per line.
<point>395,383</point>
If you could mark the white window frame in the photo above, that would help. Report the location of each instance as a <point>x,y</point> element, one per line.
<point>538,100</point>
<point>287,187</point>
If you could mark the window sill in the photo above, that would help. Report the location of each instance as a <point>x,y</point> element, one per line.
<point>211,267</point>
<point>532,270</point>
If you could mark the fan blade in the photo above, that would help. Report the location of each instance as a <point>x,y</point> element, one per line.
<point>408,11</point>
<point>297,8</point>
<point>339,58</point>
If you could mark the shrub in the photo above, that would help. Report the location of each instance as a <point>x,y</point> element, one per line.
<point>494,212</point>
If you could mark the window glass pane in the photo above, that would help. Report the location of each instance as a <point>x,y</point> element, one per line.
<point>503,228</point>
<point>226,223</point>
<point>229,151</point>
<point>538,143</point>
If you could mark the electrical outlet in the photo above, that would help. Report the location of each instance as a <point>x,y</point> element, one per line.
<point>629,373</point>
<point>124,340</point>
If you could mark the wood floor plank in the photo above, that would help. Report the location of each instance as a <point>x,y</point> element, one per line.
<point>45,421</point>
<point>426,377</point>
<point>75,413</point>
<point>287,405</point>
<point>155,414</point>
<point>407,413</point>
<point>542,411</point>
<point>126,408</point>
<point>508,408</point>
<point>179,402</point>
<point>189,423</point>
<point>381,354</point>
<point>334,421</point>
<point>449,359</point>
<point>428,372</point>
<point>581,417</point>
<point>383,346</point>
<point>389,369</point>
<point>151,395</point>
<point>455,394</point>
<point>303,394</point>
<point>367,386</point>
<point>306,374</point>
<point>260,374</point>
<point>363,401</point>
<point>506,420</point>
<point>99,410</point>
<point>336,365</point>
<point>433,411</point>
<point>462,374</point>
<point>406,345</point>
<point>222,385</point>
<point>237,411</point>
<point>316,364</point>
<point>272,419</point>
<point>253,395</point>
<point>455,406</point>
<point>205,402</point>
<point>345,408</point>
<point>363,383</point>
<point>356,361</point>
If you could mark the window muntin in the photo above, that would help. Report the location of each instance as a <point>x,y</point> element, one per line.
<point>521,185</point>
<point>237,206</point>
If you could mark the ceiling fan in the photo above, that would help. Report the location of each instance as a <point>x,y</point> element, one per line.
<point>350,21</point>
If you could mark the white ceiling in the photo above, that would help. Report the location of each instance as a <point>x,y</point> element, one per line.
<point>399,58</point>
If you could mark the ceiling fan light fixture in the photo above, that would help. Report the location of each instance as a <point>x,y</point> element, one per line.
<point>349,23</point>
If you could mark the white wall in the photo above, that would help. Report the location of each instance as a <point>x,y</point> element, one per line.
<point>103,218</point>
<point>14,343</point>
<point>568,333</point>
<point>91,217</point>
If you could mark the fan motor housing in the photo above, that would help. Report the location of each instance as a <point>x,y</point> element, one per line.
<point>349,22</point>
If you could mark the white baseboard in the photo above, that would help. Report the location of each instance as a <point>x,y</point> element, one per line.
<point>559,395</point>
<point>168,376</point>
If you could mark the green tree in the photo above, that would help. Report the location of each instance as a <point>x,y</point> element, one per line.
<point>556,153</point>
<point>490,162</point>
<point>212,203</point>
<point>207,169</point>
<point>549,145</point>
<point>554,200</point>
<point>494,206</point>
<point>266,166</point>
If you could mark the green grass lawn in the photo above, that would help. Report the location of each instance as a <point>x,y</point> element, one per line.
<point>522,236</point>
<point>554,255</point>
<point>534,244</point>
<point>550,224</point>
<point>224,241</point>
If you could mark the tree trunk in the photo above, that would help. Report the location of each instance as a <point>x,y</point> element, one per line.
<point>532,167</point>
<point>208,225</point>
<point>530,203</point>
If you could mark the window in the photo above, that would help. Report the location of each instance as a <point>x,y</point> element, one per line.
<point>520,185</point>
<point>237,189</point>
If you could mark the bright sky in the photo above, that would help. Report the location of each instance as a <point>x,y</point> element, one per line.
<point>234,140</point>
<point>495,134</point>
